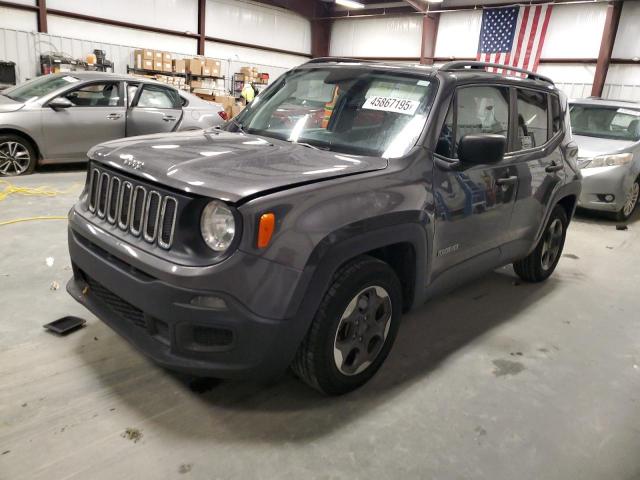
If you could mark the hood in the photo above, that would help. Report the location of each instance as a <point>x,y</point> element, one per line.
<point>9,105</point>
<point>224,165</point>
<point>593,146</point>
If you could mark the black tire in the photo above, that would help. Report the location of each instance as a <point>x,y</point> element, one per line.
<point>12,166</point>
<point>534,267</point>
<point>632,198</point>
<point>315,361</point>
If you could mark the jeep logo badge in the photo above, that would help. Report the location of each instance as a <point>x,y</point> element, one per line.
<point>135,164</point>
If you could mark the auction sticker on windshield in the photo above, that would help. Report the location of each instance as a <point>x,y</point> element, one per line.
<point>390,104</point>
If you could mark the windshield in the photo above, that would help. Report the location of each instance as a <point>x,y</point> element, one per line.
<point>348,110</point>
<point>38,87</point>
<point>605,122</point>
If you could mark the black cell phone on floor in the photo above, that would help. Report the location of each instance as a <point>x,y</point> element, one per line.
<point>65,325</point>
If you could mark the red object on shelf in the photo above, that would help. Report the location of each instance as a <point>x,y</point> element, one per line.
<point>223,114</point>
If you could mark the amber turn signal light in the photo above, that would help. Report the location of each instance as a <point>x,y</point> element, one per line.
<point>265,229</point>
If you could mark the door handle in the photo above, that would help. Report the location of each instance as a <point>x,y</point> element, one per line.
<point>169,118</point>
<point>114,116</point>
<point>554,167</point>
<point>506,181</point>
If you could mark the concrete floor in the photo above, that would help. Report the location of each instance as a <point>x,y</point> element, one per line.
<point>499,380</point>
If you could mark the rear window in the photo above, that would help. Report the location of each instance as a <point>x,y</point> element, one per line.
<point>605,122</point>
<point>532,121</point>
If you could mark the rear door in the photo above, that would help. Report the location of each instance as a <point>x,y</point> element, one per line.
<point>473,204</point>
<point>537,156</point>
<point>97,115</point>
<point>155,109</point>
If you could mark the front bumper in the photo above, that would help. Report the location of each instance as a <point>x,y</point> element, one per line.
<point>597,182</point>
<point>157,316</point>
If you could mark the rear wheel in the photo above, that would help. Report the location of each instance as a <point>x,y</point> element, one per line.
<point>17,156</point>
<point>631,202</point>
<point>541,263</point>
<point>353,329</point>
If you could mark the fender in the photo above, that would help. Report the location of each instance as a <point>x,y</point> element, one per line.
<point>356,239</point>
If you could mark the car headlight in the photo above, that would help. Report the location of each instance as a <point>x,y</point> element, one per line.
<point>218,226</point>
<point>607,160</point>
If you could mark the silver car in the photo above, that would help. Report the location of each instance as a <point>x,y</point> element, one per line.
<point>57,118</point>
<point>608,136</point>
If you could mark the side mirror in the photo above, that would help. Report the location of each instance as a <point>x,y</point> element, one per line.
<point>60,103</point>
<point>482,148</point>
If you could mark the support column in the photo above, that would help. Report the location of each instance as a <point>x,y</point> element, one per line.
<point>320,37</point>
<point>614,9</point>
<point>429,35</point>
<point>42,16</point>
<point>202,11</point>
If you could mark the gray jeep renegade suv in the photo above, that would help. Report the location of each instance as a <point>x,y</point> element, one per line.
<point>347,193</point>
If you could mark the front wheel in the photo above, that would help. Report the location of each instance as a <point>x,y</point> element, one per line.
<point>353,329</point>
<point>17,156</point>
<point>630,202</point>
<point>541,263</point>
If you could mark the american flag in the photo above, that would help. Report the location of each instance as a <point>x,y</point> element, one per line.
<point>514,35</point>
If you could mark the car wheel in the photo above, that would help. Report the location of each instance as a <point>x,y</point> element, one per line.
<point>541,263</point>
<point>353,329</point>
<point>630,202</point>
<point>17,156</point>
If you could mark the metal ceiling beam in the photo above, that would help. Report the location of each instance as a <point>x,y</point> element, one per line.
<point>417,5</point>
<point>307,8</point>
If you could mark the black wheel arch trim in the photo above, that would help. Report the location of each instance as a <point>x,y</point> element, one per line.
<point>567,190</point>
<point>353,240</point>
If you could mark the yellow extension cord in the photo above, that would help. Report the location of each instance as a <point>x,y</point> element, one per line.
<point>43,191</point>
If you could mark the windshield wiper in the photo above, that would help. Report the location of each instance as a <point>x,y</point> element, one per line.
<point>239,125</point>
<point>308,145</point>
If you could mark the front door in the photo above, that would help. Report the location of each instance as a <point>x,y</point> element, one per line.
<point>98,114</point>
<point>474,203</point>
<point>155,109</point>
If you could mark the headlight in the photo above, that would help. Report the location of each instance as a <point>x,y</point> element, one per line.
<point>217,225</point>
<point>607,160</point>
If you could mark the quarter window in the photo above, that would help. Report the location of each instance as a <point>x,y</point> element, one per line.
<point>96,95</point>
<point>153,96</point>
<point>532,124</point>
<point>556,114</point>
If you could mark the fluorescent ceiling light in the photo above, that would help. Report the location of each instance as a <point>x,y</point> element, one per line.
<point>350,3</point>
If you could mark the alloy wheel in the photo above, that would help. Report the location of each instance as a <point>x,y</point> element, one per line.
<point>632,200</point>
<point>14,158</point>
<point>362,331</point>
<point>552,243</point>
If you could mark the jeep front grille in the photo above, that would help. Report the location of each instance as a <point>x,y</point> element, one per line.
<point>135,208</point>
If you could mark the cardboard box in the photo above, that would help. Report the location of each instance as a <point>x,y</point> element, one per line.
<point>206,71</point>
<point>179,66</point>
<point>148,54</point>
<point>193,66</point>
<point>140,61</point>
<point>236,109</point>
<point>167,66</point>
<point>166,57</point>
<point>158,56</point>
<point>157,65</point>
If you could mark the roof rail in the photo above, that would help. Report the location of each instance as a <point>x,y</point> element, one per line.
<point>338,60</point>
<point>468,65</point>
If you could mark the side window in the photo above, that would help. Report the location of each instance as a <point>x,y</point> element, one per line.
<point>478,110</point>
<point>132,89</point>
<point>556,114</point>
<point>154,96</point>
<point>532,119</point>
<point>105,94</point>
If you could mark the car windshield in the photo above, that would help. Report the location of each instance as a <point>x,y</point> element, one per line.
<point>605,122</point>
<point>347,109</point>
<point>38,87</point>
